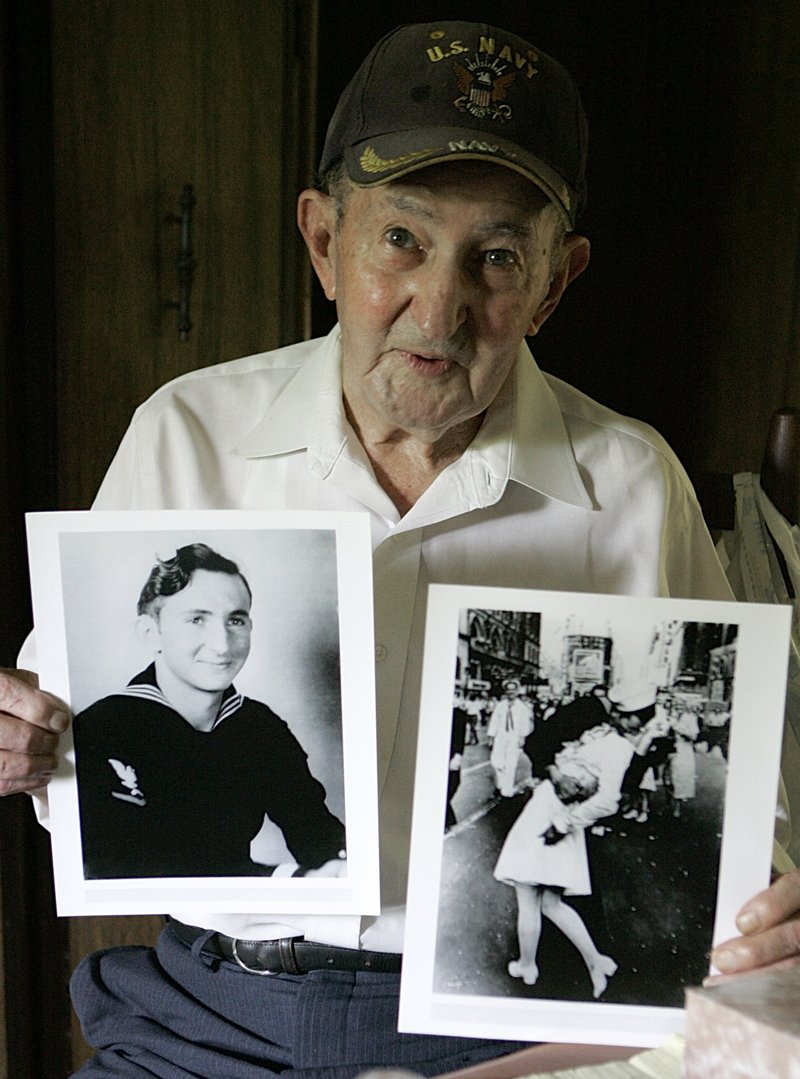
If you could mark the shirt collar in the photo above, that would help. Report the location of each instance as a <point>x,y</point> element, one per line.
<point>538,453</point>
<point>145,686</point>
<point>523,437</point>
<point>308,413</point>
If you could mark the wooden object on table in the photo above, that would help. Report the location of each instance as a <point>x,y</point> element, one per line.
<point>540,1059</point>
<point>745,1028</point>
<point>780,476</point>
<point>780,467</point>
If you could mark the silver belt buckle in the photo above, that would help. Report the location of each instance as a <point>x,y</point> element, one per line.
<point>244,966</point>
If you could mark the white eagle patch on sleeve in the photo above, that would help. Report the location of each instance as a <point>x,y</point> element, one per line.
<point>126,774</point>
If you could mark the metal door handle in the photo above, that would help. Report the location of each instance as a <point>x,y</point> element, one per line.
<point>185,262</point>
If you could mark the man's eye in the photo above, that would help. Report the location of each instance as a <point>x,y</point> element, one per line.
<point>500,257</point>
<point>398,237</point>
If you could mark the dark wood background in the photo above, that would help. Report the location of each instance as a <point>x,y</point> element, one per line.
<point>687,317</point>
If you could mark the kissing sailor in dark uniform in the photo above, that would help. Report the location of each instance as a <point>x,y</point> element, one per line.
<point>176,771</point>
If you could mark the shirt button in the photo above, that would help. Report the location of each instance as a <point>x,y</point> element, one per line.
<point>380,653</point>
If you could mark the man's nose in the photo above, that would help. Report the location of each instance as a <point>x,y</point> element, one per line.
<point>217,637</point>
<point>442,299</point>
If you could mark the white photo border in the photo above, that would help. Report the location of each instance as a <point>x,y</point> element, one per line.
<point>357,893</point>
<point>748,824</point>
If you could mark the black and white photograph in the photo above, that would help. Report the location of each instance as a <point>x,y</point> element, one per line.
<point>593,761</point>
<point>218,671</point>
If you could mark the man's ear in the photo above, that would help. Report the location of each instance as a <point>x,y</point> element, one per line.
<point>574,260</point>
<point>148,632</point>
<point>316,219</point>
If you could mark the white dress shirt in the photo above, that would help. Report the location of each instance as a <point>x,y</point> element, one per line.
<point>555,492</point>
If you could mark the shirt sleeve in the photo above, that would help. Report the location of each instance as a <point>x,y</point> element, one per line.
<point>690,567</point>
<point>312,833</point>
<point>130,480</point>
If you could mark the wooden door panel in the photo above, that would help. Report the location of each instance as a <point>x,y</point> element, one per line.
<point>149,96</point>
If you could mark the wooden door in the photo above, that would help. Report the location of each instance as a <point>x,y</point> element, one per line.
<point>151,96</point>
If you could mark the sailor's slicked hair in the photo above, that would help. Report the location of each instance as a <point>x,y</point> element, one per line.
<point>173,575</point>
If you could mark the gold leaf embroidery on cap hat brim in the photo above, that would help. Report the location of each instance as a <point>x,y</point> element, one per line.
<point>370,162</point>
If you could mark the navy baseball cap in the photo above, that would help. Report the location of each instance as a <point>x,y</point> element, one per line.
<point>428,93</point>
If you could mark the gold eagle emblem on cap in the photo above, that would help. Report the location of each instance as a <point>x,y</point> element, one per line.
<point>483,87</point>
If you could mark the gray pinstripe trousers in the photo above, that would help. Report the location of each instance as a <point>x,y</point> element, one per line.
<point>171,1013</point>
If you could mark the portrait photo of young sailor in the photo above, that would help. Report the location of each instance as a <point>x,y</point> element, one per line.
<point>177,770</point>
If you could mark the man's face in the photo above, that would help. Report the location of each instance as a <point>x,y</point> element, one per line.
<point>437,278</point>
<point>512,691</point>
<point>629,722</point>
<point>203,631</point>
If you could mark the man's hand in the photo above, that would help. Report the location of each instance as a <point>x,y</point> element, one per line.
<point>30,723</point>
<point>552,836</point>
<point>336,867</point>
<point>770,928</point>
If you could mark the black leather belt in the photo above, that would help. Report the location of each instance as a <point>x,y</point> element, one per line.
<point>287,955</point>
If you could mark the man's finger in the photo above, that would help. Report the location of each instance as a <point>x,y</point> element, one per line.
<point>17,736</point>
<point>771,946</point>
<point>24,786</point>
<point>720,979</point>
<point>25,771</point>
<point>774,905</point>
<point>21,699</point>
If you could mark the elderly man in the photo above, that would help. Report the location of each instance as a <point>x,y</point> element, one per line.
<point>443,228</point>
